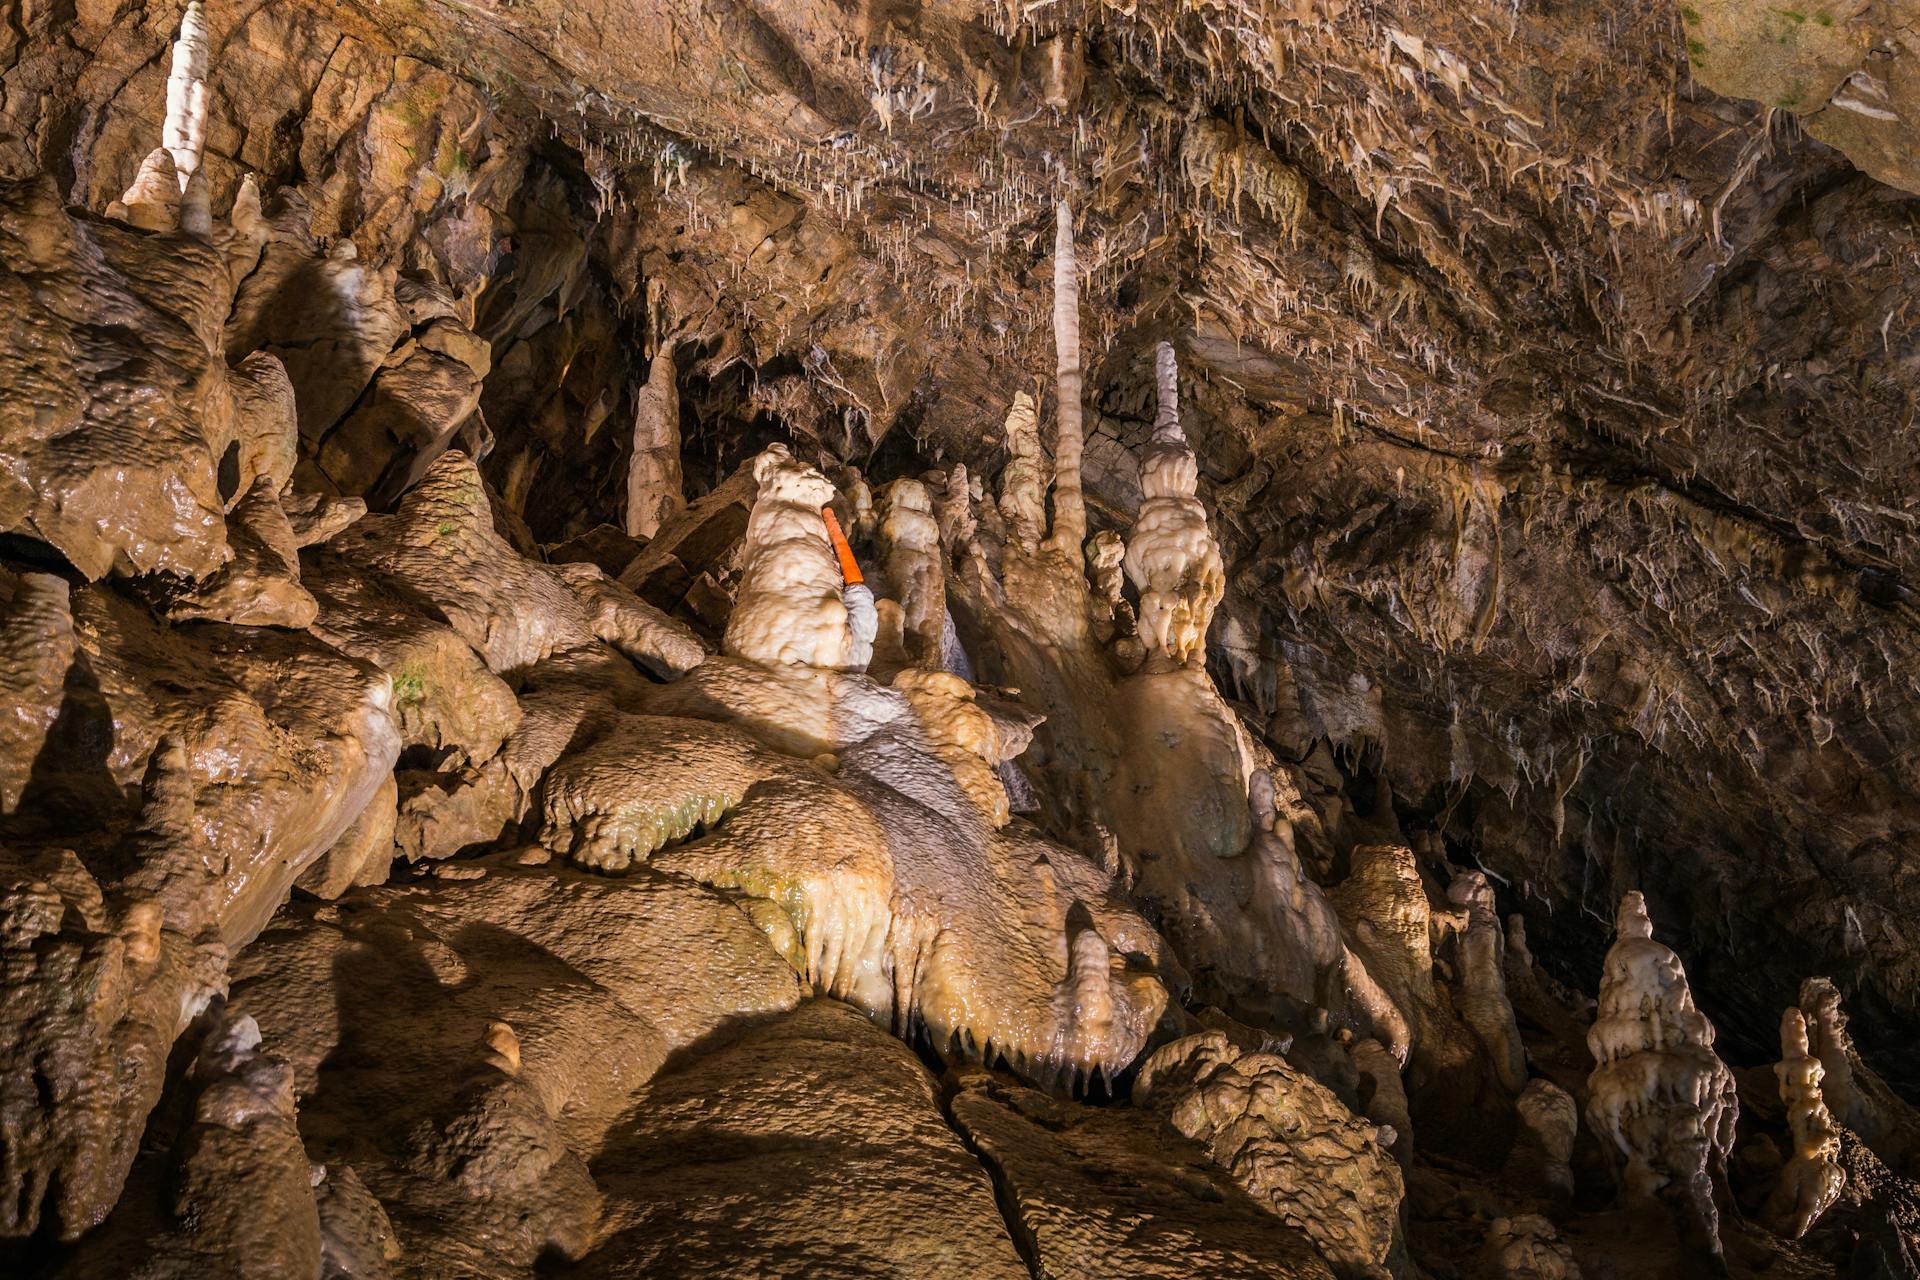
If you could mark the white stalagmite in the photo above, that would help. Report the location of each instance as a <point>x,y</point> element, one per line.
<point>185,133</point>
<point>1172,557</point>
<point>789,610</point>
<point>1166,387</point>
<point>910,542</point>
<point>653,474</point>
<point>1069,507</point>
<point>1813,1178</point>
<point>1659,1094</point>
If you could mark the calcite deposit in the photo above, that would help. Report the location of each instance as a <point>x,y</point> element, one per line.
<point>958,640</point>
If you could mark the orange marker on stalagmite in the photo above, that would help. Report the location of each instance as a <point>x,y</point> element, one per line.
<point>849,569</point>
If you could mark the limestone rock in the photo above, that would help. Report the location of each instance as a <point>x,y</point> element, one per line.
<point>707,1164</point>
<point>1289,1144</point>
<point>117,474</point>
<point>1115,1191</point>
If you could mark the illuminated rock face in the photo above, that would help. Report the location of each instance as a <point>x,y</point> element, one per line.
<point>1289,1144</point>
<point>900,888</point>
<point>1658,1093</point>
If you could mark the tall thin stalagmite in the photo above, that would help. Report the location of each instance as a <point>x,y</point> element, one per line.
<point>1069,507</point>
<point>654,491</point>
<point>184,134</point>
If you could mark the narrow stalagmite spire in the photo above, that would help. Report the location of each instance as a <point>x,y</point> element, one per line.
<point>184,134</point>
<point>1069,508</point>
<point>654,484</point>
<point>1166,380</point>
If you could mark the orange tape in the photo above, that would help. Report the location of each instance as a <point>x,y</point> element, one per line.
<point>848,568</point>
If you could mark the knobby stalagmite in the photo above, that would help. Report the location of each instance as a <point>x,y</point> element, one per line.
<point>1171,555</point>
<point>1658,1094</point>
<point>1813,1178</point>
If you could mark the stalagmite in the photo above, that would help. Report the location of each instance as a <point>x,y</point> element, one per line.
<point>1069,507</point>
<point>788,609</point>
<point>1481,989</point>
<point>1172,557</point>
<point>1813,1178</point>
<point>1023,483</point>
<point>910,543</point>
<point>653,471</point>
<point>1855,1093</point>
<point>862,518</point>
<point>1110,614</point>
<point>1543,1153</point>
<point>953,507</point>
<point>1659,1094</point>
<point>185,132</point>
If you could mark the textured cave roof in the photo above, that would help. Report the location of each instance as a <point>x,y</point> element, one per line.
<point>1560,436</point>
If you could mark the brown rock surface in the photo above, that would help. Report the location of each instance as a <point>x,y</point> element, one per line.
<point>810,1144</point>
<point>1102,1192</point>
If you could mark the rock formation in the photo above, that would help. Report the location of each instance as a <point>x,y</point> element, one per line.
<point>788,609</point>
<point>1812,1179</point>
<point>1855,1094</point>
<point>1171,555</point>
<point>1289,1144</point>
<point>653,473</point>
<point>864,816</point>
<point>1549,1123</point>
<point>910,542</point>
<point>1482,986</point>
<point>1658,1093</point>
<point>1069,507</point>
